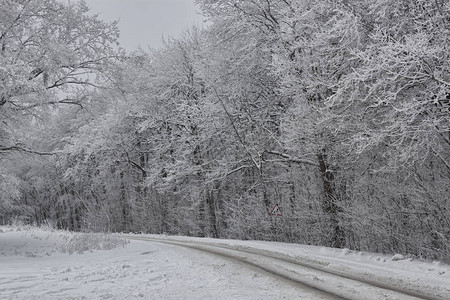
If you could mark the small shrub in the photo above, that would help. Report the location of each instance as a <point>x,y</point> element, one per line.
<point>48,225</point>
<point>82,242</point>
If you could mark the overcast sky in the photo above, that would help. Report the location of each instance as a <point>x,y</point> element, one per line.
<point>144,22</point>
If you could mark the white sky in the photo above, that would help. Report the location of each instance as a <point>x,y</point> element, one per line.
<point>144,22</point>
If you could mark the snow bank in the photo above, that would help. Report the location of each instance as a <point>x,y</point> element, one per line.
<point>31,241</point>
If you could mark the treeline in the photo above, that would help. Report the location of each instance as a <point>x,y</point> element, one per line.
<point>337,111</point>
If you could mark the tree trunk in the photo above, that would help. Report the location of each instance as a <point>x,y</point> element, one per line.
<point>125,206</point>
<point>212,213</point>
<point>330,205</point>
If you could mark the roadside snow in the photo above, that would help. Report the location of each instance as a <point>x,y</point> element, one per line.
<point>35,242</point>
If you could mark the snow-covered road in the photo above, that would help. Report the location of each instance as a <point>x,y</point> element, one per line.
<point>162,267</point>
<point>305,275</point>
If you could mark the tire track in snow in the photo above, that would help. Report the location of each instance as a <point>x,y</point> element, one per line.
<point>312,277</point>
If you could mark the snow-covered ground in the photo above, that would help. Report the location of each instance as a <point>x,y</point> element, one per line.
<point>47,264</point>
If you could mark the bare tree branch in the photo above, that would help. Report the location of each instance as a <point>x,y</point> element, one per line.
<point>26,150</point>
<point>288,158</point>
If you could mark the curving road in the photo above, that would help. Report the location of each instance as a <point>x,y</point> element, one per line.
<point>311,277</point>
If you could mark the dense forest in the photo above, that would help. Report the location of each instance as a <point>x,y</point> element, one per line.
<point>336,110</point>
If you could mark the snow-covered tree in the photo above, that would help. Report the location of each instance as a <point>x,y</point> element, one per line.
<point>398,92</point>
<point>51,52</point>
